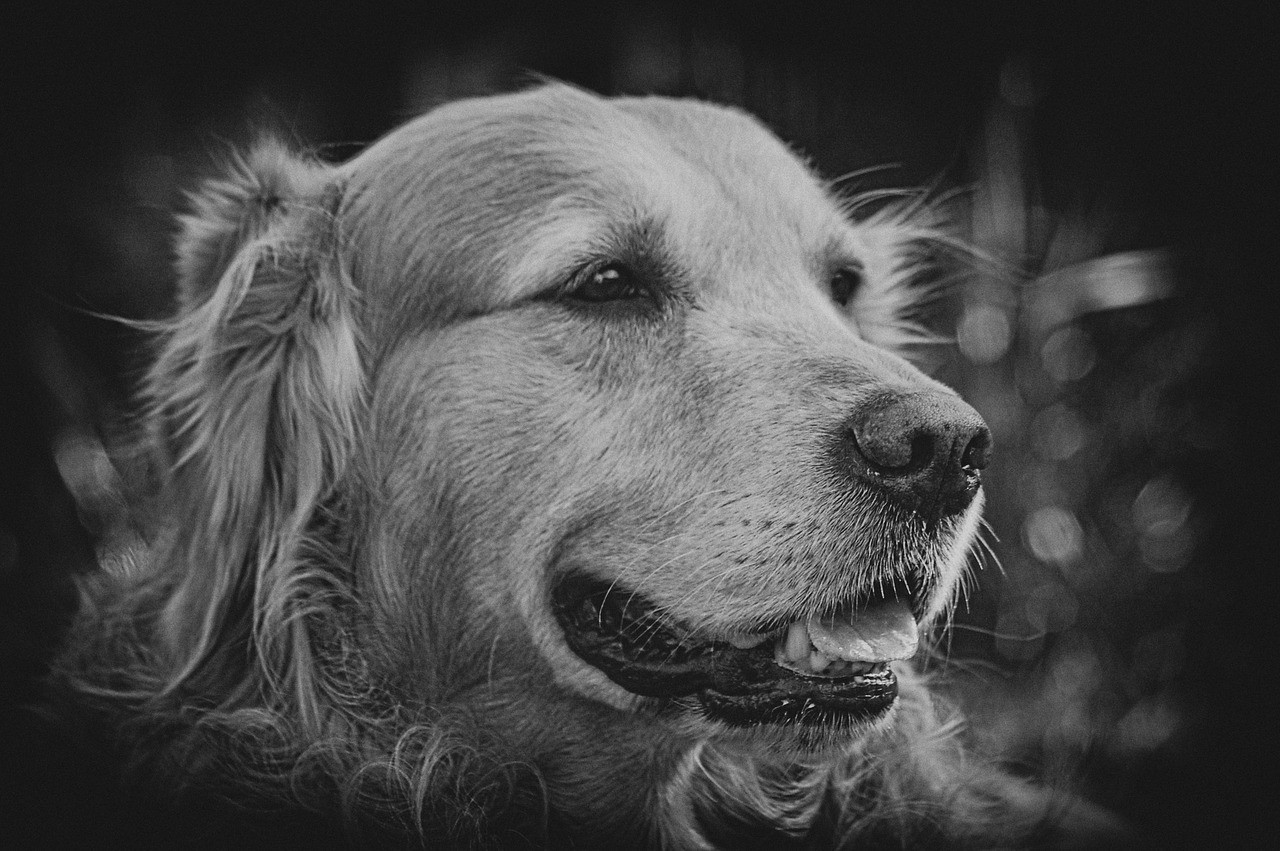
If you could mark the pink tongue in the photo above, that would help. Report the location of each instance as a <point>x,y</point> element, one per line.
<point>881,633</point>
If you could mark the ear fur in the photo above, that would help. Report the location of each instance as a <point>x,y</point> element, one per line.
<point>255,392</point>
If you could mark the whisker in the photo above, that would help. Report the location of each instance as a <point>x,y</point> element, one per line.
<point>834,183</point>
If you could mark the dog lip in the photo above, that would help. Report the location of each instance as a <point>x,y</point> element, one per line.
<point>803,700</point>
<point>637,647</point>
<point>574,587</point>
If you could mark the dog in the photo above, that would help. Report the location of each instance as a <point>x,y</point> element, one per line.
<point>550,474</point>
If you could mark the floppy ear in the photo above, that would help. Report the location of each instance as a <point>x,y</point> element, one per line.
<point>255,392</point>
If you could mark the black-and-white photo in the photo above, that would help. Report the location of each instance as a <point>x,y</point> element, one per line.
<point>636,426</point>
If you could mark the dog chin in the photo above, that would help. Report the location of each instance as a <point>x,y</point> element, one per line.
<point>794,742</point>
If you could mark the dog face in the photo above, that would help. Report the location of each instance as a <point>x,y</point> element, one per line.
<point>562,432</point>
<point>632,393</point>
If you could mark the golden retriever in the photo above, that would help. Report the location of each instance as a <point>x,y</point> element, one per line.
<point>549,475</point>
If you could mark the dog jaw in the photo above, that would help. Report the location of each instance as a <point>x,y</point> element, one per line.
<point>836,644</point>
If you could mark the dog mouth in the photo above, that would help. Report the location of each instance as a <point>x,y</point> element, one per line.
<point>828,669</point>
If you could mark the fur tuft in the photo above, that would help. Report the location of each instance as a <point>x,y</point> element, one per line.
<point>254,394</point>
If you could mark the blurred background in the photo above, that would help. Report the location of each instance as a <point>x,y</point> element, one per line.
<point>1110,164</point>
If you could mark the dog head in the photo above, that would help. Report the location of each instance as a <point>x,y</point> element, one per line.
<point>607,388</point>
<point>636,385</point>
<point>546,400</point>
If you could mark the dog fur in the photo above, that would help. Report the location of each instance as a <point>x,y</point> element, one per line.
<point>386,428</point>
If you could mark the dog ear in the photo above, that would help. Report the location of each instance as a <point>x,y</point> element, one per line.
<point>255,391</point>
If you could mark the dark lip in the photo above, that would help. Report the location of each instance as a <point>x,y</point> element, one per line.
<point>805,700</point>
<point>634,645</point>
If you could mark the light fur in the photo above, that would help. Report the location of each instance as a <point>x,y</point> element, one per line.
<point>384,439</point>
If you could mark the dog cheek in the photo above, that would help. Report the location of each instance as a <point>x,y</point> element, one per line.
<point>479,443</point>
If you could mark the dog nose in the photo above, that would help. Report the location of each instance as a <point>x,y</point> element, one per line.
<point>924,450</point>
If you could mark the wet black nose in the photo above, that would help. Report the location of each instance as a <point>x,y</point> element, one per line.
<point>923,450</point>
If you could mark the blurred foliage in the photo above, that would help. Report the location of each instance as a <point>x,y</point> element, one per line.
<point>1092,334</point>
<point>1085,364</point>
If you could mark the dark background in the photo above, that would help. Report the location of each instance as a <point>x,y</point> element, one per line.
<point>1127,641</point>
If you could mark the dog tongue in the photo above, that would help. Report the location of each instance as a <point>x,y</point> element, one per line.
<point>881,632</point>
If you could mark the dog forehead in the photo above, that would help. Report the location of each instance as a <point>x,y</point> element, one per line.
<point>721,141</point>
<point>513,189</point>
<point>565,136</point>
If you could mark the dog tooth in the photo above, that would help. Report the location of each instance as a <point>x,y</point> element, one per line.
<point>818,661</point>
<point>798,644</point>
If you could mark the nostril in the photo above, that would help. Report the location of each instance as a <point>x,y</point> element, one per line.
<point>891,446</point>
<point>977,454</point>
<point>923,447</point>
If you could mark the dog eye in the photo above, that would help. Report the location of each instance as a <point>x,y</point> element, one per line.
<point>844,284</point>
<point>612,282</point>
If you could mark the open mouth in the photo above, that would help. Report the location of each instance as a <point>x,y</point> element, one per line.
<point>825,669</point>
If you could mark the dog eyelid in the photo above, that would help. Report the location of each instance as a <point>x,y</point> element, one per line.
<point>608,282</point>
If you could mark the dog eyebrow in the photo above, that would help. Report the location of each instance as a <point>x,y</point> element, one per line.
<point>558,246</point>
<point>842,249</point>
<point>566,242</point>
